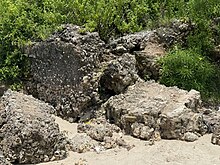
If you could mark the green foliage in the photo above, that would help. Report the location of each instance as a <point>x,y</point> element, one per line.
<point>200,12</point>
<point>192,67</point>
<point>108,17</point>
<point>187,69</point>
<point>22,21</point>
<point>203,12</point>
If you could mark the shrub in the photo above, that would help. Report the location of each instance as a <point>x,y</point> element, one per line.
<point>22,21</point>
<point>108,17</point>
<point>200,12</point>
<point>203,13</point>
<point>189,70</point>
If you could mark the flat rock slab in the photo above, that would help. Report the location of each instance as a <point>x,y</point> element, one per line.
<point>28,133</point>
<point>147,108</point>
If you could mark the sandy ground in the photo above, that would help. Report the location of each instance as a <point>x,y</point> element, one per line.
<point>164,152</point>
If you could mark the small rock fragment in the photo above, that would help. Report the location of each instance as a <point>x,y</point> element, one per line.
<point>190,137</point>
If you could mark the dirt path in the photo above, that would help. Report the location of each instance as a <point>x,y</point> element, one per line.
<point>164,152</point>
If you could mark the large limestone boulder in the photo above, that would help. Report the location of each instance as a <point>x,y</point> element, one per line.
<point>148,108</point>
<point>63,71</point>
<point>119,74</point>
<point>146,47</point>
<point>175,32</point>
<point>149,46</point>
<point>28,133</point>
<point>75,73</point>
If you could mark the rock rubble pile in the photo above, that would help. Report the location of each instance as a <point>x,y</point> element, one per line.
<point>107,88</point>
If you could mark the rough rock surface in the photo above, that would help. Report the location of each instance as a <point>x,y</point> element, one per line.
<point>3,160</point>
<point>28,133</point>
<point>147,65</point>
<point>82,143</point>
<point>149,46</point>
<point>98,129</point>
<point>190,137</point>
<point>119,74</point>
<point>175,32</point>
<point>63,71</point>
<point>98,135</point>
<point>148,107</point>
<point>213,123</point>
<point>76,88</point>
<point>212,120</point>
<point>132,42</point>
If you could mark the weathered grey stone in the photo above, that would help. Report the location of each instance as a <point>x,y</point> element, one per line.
<point>212,121</point>
<point>28,133</point>
<point>98,130</point>
<point>3,160</point>
<point>148,46</point>
<point>120,49</point>
<point>141,131</point>
<point>190,137</point>
<point>82,143</point>
<point>147,107</point>
<point>175,32</point>
<point>63,71</point>
<point>132,42</point>
<point>216,132</point>
<point>98,135</point>
<point>147,65</point>
<point>216,138</point>
<point>109,142</point>
<point>119,74</point>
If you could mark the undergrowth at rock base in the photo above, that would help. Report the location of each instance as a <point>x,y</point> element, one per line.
<point>188,70</point>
